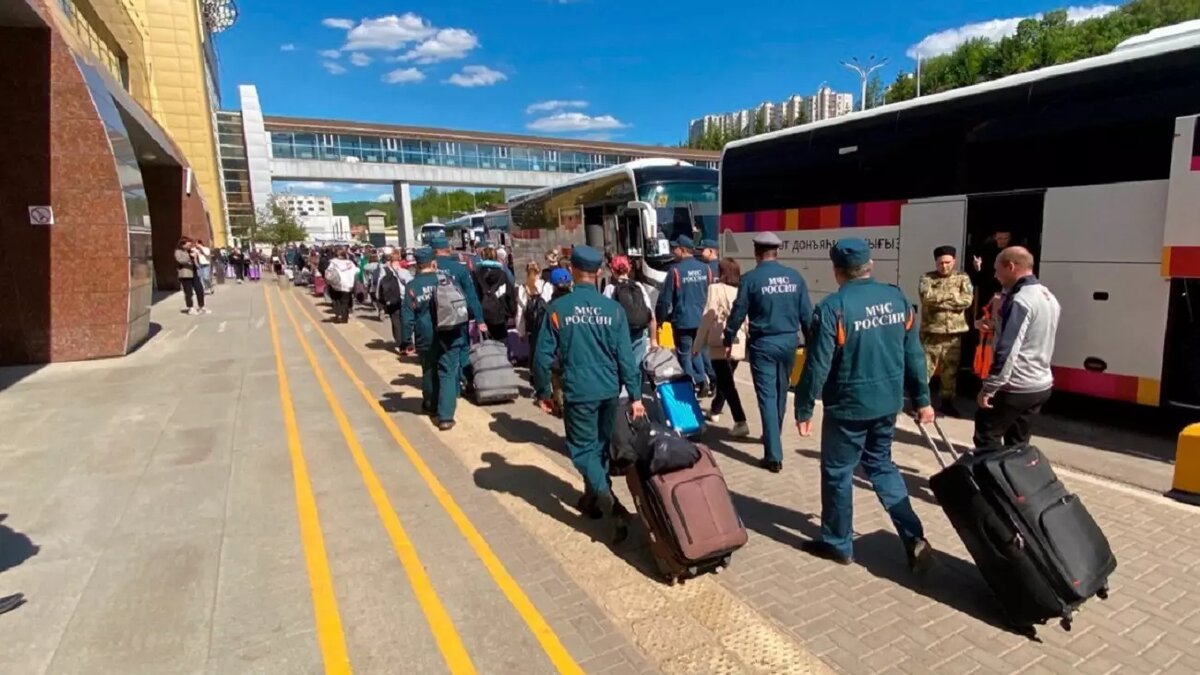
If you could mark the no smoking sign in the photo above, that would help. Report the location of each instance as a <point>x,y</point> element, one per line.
<point>41,215</point>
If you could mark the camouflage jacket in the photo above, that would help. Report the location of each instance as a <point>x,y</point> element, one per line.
<point>944,301</point>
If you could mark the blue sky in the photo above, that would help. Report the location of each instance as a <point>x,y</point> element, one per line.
<point>607,69</point>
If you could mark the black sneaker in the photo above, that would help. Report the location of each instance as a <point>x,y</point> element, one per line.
<point>621,518</point>
<point>773,467</point>
<point>586,505</point>
<point>818,548</point>
<point>920,556</point>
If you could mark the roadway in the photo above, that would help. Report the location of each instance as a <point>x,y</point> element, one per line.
<point>255,491</point>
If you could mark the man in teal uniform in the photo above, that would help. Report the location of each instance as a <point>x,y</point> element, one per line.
<point>450,263</point>
<point>589,334</point>
<point>863,356</point>
<point>438,351</point>
<point>682,303</point>
<point>776,299</point>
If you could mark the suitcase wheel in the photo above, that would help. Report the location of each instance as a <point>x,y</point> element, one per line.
<point>1065,623</point>
<point>1102,593</point>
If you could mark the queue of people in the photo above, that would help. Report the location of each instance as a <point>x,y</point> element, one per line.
<point>869,349</point>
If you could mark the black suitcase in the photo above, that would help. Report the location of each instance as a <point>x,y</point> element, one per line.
<point>1034,542</point>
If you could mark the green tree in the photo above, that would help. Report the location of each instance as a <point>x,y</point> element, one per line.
<point>902,89</point>
<point>875,91</point>
<point>277,226</point>
<point>760,123</point>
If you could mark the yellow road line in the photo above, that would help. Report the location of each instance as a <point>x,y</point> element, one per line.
<point>330,636</point>
<point>439,621</point>
<point>541,630</point>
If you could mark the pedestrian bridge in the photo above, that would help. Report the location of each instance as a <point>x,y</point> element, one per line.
<point>302,149</point>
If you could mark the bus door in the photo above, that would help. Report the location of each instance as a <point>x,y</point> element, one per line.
<point>1181,371</point>
<point>925,225</point>
<point>593,226</point>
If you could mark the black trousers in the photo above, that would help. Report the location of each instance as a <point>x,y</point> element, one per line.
<point>727,390</point>
<point>341,303</point>
<point>193,286</point>
<point>1009,421</point>
<point>397,336</point>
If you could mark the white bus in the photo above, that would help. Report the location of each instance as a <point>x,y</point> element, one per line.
<point>631,209</point>
<point>431,230</point>
<point>1094,165</point>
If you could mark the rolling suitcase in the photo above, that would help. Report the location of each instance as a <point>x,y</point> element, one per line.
<point>518,348</point>
<point>318,285</point>
<point>689,516</point>
<point>680,407</point>
<point>493,377</point>
<point>1034,542</point>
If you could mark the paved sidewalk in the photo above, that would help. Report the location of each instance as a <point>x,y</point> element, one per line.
<point>871,617</point>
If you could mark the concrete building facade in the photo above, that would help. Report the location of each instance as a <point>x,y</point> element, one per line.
<point>768,115</point>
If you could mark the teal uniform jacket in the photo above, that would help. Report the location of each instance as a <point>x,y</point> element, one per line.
<point>776,298</point>
<point>714,265</point>
<point>590,334</point>
<point>684,293</point>
<point>459,272</point>
<point>416,311</point>
<point>865,352</point>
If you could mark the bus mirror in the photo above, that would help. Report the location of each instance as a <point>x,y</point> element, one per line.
<point>648,217</point>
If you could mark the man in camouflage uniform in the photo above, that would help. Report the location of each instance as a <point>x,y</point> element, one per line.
<point>945,296</point>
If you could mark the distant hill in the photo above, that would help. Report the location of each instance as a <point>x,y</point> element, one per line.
<point>433,203</point>
<point>358,211</point>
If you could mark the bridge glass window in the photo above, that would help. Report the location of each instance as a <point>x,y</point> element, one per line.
<point>411,152</point>
<point>349,146</point>
<point>305,145</point>
<point>469,153</point>
<point>281,146</point>
<point>450,154</point>
<point>520,159</point>
<point>487,156</point>
<point>432,152</point>
<point>372,148</point>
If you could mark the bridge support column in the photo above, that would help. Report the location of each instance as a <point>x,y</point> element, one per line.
<point>404,215</point>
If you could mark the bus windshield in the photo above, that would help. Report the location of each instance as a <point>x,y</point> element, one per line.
<point>684,208</point>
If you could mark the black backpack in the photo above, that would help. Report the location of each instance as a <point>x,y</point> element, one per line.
<point>630,296</point>
<point>495,309</point>
<point>535,312</point>
<point>389,289</point>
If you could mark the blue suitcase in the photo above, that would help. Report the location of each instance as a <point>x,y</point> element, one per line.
<point>680,408</point>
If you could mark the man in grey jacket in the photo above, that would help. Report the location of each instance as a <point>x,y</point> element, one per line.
<point>1020,381</point>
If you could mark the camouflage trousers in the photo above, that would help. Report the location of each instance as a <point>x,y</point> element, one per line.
<point>943,353</point>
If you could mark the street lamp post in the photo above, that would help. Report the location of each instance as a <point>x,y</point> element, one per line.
<point>864,71</point>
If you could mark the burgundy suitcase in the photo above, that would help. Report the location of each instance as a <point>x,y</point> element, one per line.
<point>689,516</point>
<point>318,285</point>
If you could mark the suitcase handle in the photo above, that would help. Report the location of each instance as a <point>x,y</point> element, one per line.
<point>937,452</point>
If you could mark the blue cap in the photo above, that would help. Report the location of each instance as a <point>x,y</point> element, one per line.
<point>586,258</point>
<point>850,253</point>
<point>423,255</point>
<point>684,241</point>
<point>560,277</point>
<point>708,243</point>
<point>439,243</point>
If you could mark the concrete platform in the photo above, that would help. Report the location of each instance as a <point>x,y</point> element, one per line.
<point>187,509</point>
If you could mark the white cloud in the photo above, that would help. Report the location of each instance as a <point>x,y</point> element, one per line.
<point>448,43</point>
<point>289,47</point>
<point>575,122</point>
<point>386,197</point>
<point>946,41</point>
<point>360,59</point>
<point>334,68</point>
<point>343,24</point>
<point>404,76</point>
<point>553,104</point>
<point>388,32</point>
<point>330,53</point>
<point>318,186</point>
<point>476,76</point>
